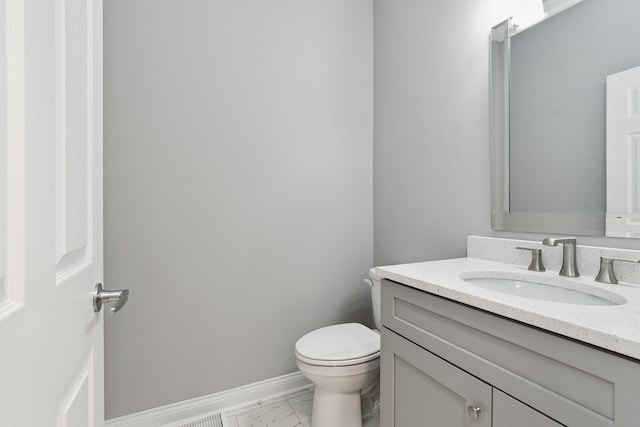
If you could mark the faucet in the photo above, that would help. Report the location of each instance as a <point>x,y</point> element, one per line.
<point>569,266</point>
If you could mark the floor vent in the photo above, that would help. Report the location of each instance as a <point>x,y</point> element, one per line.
<point>215,420</point>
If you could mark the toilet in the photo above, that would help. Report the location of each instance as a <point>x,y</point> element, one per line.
<point>343,361</point>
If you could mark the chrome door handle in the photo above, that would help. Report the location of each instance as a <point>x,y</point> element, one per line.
<point>100,297</point>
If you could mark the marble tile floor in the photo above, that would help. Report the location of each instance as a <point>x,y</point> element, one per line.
<point>292,410</point>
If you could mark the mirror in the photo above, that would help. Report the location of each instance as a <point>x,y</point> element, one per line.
<point>548,116</point>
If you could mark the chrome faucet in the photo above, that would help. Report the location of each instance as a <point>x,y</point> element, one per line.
<point>569,265</point>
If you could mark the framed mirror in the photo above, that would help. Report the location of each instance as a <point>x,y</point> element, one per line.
<point>548,116</point>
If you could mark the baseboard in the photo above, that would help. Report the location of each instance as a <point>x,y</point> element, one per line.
<point>199,406</point>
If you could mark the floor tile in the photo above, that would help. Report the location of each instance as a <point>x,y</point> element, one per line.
<point>279,414</point>
<point>292,410</point>
<point>302,405</point>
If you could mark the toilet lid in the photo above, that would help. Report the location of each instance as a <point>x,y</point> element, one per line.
<point>343,342</point>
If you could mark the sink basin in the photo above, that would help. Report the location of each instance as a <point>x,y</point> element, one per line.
<point>544,288</point>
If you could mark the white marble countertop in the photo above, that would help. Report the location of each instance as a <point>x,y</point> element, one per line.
<point>612,327</point>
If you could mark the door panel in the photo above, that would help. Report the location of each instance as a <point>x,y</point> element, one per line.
<point>11,159</point>
<point>76,406</point>
<point>426,390</point>
<point>51,350</point>
<point>73,129</point>
<point>418,396</point>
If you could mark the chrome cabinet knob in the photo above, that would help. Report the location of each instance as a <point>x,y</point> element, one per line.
<point>100,297</point>
<point>473,411</point>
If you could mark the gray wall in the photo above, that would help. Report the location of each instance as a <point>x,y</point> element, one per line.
<point>431,132</point>
<point>238,188</point>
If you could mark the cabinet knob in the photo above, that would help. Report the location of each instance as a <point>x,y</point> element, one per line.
<point>473,411</point>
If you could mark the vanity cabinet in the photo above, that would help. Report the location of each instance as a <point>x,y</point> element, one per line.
<point>445,364</point>
<point>426,387</point>
<point>428,391</point>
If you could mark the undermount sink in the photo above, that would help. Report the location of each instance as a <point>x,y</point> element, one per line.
<point>546,288</point>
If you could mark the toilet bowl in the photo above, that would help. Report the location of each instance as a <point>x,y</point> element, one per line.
<point>343,361</point>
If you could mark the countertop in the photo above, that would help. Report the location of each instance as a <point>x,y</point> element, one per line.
<point>612,327</point>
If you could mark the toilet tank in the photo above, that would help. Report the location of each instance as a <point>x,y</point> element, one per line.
<point>374,282</point>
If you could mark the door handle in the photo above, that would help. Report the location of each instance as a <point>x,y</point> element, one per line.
<point>100,297</point>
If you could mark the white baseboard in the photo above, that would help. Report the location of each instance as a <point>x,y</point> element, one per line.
<point>199,406</point>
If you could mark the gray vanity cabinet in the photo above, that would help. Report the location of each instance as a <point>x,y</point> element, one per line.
<point>445,364</point>
<point>425,390</point>
<point>426,387</point>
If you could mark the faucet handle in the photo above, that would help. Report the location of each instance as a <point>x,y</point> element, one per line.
<point>536,258</point>
<point>606,273</point>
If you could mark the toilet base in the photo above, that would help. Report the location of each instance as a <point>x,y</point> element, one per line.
<point>339,390</point>
<point>333,409</point>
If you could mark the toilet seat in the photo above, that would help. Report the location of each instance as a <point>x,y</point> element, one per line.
<point>339,345</point>
<point>347,362</point>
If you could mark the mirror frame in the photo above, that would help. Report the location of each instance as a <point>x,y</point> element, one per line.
<point>578,223</point>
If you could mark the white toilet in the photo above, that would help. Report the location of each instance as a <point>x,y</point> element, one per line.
<point>343,361</point>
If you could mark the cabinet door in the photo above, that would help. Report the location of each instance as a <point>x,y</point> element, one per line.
<point>420,389</point>
<point>509,412</point>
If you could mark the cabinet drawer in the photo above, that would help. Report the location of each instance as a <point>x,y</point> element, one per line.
<point>573,383</point>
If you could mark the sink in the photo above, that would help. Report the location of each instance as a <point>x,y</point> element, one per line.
<point>543,287</point>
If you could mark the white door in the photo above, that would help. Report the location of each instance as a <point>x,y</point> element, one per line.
<point>51,351</point>
<point>623,154</point>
